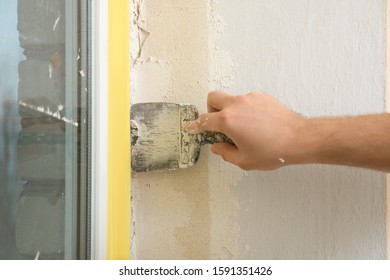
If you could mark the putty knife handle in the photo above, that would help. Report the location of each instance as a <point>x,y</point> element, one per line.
<point>212,137</point>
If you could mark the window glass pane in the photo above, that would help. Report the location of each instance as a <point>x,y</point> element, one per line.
<point>43,129</point>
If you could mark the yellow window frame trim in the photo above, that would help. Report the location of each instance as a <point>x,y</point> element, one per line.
<point>119,208</point>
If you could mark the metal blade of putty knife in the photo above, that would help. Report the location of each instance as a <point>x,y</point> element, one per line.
<point>159,141</point>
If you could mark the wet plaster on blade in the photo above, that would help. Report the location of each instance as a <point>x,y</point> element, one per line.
<point>171,212</point>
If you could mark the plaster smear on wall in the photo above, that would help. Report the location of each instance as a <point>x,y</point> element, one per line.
<point>186,213</point>
<point>171,214</point>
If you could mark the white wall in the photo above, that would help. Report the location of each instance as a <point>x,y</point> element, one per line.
<point>319,58</point>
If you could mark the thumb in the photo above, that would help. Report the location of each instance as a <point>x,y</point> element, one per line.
<point>227,151</point>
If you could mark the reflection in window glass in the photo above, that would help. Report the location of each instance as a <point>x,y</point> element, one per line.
<point>43,129</point>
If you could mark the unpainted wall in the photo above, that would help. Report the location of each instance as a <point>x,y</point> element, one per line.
<point>320,59</point>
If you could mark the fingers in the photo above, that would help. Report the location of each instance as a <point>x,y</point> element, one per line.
<point>217,100</point>
<point>228,152</point>
<point>206,122</point>
<point>194,127</point>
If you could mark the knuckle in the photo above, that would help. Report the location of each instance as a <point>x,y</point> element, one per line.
<point>260,95</point>
<point>251,94</point>
<point>247,98</point>
<point>210,94</point>
<point>241,98</point>
<point>255,95</point>
<point>225,118</point>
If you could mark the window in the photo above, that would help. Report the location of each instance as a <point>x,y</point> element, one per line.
<point>44,129</point>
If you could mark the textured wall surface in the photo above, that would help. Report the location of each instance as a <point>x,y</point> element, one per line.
<point>171,210</point>
<point>320,59</point>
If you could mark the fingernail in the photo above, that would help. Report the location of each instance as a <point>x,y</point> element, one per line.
<point>189,126</point>
<point>192,127</point>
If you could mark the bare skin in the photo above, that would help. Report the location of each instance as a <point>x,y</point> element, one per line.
<point>268,135</point>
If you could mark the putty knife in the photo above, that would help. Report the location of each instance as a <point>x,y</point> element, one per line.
<point>159,141</point>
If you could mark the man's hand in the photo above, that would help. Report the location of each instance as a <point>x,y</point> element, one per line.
<point>263,130</point>
<point>267,135</point>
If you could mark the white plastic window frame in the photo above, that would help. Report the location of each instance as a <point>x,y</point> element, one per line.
<point>99,149</point>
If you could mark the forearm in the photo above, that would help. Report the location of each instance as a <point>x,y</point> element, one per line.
<point>362,141</point>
